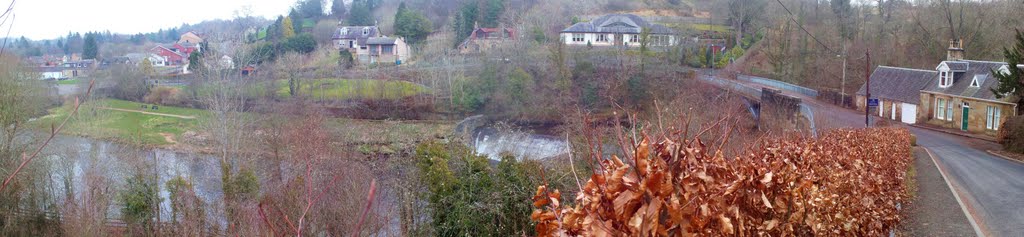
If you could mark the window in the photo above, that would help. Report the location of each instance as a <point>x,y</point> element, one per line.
<point>975,82</point>
<point>992,115</point>
<point>949,110</point>
<point>602,38</point>
<point>366,30</point>
<point>940,108</point>
<point>577,37</point>
<point>634,38</point>
<point>945,79</point>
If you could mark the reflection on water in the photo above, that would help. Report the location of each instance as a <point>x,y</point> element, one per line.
<point>74,157</point>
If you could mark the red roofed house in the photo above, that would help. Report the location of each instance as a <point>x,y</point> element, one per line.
<point>486,39</point>
<point>185,49</point>
<point>172,55</point>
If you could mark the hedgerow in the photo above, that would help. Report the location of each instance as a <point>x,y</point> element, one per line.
<point>846,183</point>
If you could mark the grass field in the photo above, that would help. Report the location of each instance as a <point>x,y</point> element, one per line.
<point>68,82</point>
<point>345,89</point>
<point>97,119</point>
<point>123,121</point>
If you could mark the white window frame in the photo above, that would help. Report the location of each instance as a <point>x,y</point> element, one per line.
<point>940,105</point>
<point>634,38</point>
<point>945,79</point>
<point>992,116</point>
<point>366,30</point>
<point>975,82</point>
<point>881,108</point>
<point>577,37</point>
<point>602,38</point>
<point>949,110</point>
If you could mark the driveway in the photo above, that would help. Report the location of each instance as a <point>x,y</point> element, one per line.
<point>991,187</point>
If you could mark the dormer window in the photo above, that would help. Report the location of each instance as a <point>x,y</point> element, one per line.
<point>945,79</point>
<point>366,31</point>
<point>978,80</point>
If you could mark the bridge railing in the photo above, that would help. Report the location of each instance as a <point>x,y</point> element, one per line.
<point>779,85</point>
<point>735,86</point>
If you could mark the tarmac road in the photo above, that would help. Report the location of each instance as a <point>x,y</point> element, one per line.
<point>991,187</point>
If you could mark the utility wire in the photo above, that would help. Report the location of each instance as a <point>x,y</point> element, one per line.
<point>793,18</point>
<point>8,14</point>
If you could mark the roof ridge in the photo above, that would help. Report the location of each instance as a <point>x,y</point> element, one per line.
<point>981,61</point>
<point>912,69</point>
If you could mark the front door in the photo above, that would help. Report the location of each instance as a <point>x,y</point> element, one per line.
<point>963,122</point>
<point>618,39</point>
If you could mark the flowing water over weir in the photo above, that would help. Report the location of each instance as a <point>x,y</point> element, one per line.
<point>494,142</point>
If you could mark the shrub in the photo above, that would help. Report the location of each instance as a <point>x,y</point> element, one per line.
<point>139,200</point>
<point>790,187</point>
<point>165,96</point>
<point>467,196</point>
<point>1011,134</point>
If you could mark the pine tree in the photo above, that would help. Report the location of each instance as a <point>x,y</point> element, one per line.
<point>90,49</point>
<point>287,30</point>
<point>194,62</point>
<point>338,8</point>
<point>1012,82</point>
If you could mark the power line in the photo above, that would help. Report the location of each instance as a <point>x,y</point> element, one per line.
<point>792,18</point>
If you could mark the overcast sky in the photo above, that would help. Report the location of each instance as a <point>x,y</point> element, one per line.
<point>48,19</point>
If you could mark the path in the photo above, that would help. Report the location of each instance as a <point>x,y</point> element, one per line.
<point>150,113</point>
<point>932,211</point>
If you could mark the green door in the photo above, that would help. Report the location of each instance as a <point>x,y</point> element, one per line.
<point>963,125</point>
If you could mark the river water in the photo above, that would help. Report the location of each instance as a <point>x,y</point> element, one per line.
<point>74,159</point>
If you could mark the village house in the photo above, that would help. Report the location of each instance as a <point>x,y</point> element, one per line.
<point>171,55</point>
<point>190,37</point>
<point>486,39</point>
<point>956,95</point>
<point>353,38</point>
<point>622,30</point>
<point>384,50</point>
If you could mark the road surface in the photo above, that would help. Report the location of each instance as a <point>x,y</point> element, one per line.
<point>991,187</point>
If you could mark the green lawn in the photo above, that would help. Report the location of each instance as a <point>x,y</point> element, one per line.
<point>67,82</point>
<point>130,127</point>
<point>345,89</point>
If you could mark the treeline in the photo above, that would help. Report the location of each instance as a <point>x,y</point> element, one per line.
<point>913,34</point>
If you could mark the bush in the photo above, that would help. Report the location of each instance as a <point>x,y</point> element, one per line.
<point>1011,134</point>
<point>139,200</point>
<point>165,96</point>
<point>791,187</point>
<point>468,196</point>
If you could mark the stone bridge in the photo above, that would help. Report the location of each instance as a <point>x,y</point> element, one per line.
<point>763,101</point>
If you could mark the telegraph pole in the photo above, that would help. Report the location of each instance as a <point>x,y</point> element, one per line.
<point>867,96</point>
<point>843,86</point>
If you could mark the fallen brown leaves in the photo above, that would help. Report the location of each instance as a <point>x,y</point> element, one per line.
<point>847,183</point>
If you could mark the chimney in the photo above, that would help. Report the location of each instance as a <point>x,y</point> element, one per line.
<point>955,51</point>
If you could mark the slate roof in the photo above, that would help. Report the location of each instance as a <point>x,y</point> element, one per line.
<point>356,32</point>
<point>957,66</point>
<point>962,81</point>
<point>617,23</point>
<point>899,84</point>
<point>380,41</point>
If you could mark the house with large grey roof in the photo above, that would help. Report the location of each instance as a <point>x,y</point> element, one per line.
<point>354,37</point>
<point>617,30</point>
<point>957,94</point>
